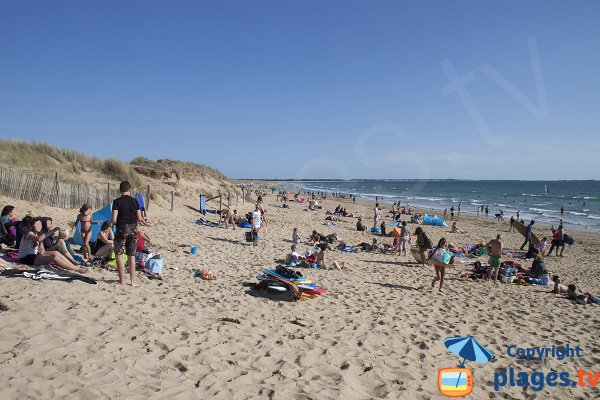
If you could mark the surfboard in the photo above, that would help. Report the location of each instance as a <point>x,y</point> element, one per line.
<point>522,229</point>
<point>306,283</point>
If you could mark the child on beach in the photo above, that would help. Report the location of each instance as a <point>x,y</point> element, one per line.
<point>126,215</point>
<point>295,236</point>
<point>84,218</point>
<point>293,258</point>
<point>437,258</point>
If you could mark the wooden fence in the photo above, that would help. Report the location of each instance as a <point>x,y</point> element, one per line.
<point>52,192</point>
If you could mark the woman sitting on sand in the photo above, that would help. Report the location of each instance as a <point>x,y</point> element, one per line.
<point>455,229</point>
<point>29,249</point>
<point>340,266</point>
<point>104,240</point>
<point>538,269</point>
<point>359,225</point>
<point>51,243</point>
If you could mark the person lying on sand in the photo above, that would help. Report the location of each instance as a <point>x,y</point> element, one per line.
<point>574,293</point>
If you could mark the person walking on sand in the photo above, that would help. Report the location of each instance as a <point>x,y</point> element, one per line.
<point>494,248</point>
<point>437,258</point>
<point>423,243</point>
<point>126,216</point>
<point>528,233</point>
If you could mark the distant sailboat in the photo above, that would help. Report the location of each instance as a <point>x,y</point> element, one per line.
<point>546,189</point>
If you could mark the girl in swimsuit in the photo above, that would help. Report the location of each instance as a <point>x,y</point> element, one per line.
<point>85,219</point>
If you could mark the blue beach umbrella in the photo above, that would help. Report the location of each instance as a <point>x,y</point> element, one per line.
<point>469,349</point>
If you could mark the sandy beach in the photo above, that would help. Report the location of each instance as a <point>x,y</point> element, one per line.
<point>378,333</point>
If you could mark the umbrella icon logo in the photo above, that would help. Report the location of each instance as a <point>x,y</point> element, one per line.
<point>458,382</point>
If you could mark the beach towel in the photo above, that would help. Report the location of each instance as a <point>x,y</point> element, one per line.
<point>38,275</point>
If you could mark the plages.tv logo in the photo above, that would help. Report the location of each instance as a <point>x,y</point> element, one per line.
<point>458,382</point>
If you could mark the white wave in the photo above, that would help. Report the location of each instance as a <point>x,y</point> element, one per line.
<point>586,210</point>
<point>576,213</point>
<point>590,198</point>
<point>592,216</point>
<point>531,195</point>
<point>540,210</point>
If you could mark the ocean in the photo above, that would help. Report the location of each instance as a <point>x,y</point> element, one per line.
<point>538,200</point>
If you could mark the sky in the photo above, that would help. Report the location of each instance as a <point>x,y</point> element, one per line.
<point>311,89</point>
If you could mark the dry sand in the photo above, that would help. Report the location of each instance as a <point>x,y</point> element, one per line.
<point>378,333</point>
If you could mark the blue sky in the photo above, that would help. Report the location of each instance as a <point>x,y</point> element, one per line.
<point>305,89</point>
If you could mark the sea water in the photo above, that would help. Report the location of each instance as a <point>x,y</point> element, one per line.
<point>538,200</point>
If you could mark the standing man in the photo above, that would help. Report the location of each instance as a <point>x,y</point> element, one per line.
<point>528,234</point>
<point>452,212</point>
<point>518,213</point>
<point>562,210</point>
<point>487,211</point>
<point>494,248</point>
<point>459,208</point>
<point>126,216</point>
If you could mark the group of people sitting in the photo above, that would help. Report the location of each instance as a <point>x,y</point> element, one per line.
<point>313,259</point>
<point>39,242</point>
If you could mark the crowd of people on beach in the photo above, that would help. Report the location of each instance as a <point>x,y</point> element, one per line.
<point>38,243</point>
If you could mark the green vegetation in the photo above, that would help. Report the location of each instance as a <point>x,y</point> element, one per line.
<point>184,167</point>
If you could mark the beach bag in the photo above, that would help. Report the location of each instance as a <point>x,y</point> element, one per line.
<point>250,237</point>
<point>113,262</point>
<point>277,289</point>
<point>155,265</point>
<point>142,258</point>
<point>442,255</point>
<point>288,273</point>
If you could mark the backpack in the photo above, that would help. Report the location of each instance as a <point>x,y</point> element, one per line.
<point>288,273</point>
<point>277,289</point>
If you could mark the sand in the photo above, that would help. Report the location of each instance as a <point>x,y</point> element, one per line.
<point>378,333</point>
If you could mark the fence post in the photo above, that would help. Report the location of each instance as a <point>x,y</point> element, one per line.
<point>228,199</point>
<point>172,199</point>
<point>108,193</point>
<point>148,199</point>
